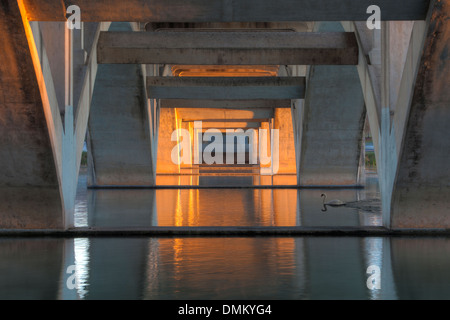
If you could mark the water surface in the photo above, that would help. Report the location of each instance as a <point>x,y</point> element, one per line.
<point>224,268</point>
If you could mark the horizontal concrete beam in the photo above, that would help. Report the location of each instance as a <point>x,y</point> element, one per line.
<point>228,48</point>
<point>225,10</point>
<point>225,104</point>
<point>226,88</point>
<point>200,114</point>
<point>235,127</point>
<point>229,125</point>
<point>226,120</point>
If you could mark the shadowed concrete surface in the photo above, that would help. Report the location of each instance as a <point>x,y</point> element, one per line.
<point>29,190</point>
<point>119,126</point>
<point>333,123</point>
<point>229,48</point>
<point>225,11</point>
<point>422,189</point>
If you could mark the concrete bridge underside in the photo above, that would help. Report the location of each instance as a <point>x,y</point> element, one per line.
<point>57,93</point>
<point>29,183</point>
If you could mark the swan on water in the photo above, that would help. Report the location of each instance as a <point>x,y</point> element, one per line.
<point>332,203</point>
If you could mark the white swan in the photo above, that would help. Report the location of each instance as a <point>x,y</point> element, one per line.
<point>332,203</point>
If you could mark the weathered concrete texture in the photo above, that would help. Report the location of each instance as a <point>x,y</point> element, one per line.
<point>119,126</point>
<point>223,10</point>
<point>228,48</point>
<point>333,123</point>
<point>422,189</point>
<point>28,172</point>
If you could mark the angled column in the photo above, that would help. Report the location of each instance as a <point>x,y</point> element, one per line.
<point>228,48</point>
<point>30,196</point>
<point>119,134</point>
<point>333,123</point>
<point>420,131</point>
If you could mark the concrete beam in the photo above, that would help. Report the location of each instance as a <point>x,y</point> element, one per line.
<point>228,48</point>
<point>225,104</point>
<point>231,125</point>
<point>226,88</point>
<point>226,120</point>
<point>224,114</point>
<point>226,11</point>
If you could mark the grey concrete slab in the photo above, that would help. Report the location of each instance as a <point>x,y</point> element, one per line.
<point>225,87</point>
<point>225,104</point>
<point>224,10</point>
<point>228,48</point>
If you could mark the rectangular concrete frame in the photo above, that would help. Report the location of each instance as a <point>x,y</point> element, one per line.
<point>228,48</point>
<point>226,88</point>
<point>227,11</point>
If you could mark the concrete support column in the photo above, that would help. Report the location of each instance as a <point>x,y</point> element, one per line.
<point>418,137</point>
<point>30,129</point>
<point>119,125</point>
<point>167,125</point>
<point>283,123</point>
<point>332,124</point>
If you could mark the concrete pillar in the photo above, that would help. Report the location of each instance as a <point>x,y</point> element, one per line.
<point>283,123</point>
<point>167,125</point>
<point>30,196</point>
<point>419,131</point>
<point>119,128</point>
<point>332,125</point>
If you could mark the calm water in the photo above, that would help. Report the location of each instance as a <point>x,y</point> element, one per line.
<point>223,268</point>
<point>222,207</point>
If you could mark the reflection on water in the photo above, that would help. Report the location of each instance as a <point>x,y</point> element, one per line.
<point>222,207</point>
<point>222,268</point>
<point>225,268</point>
